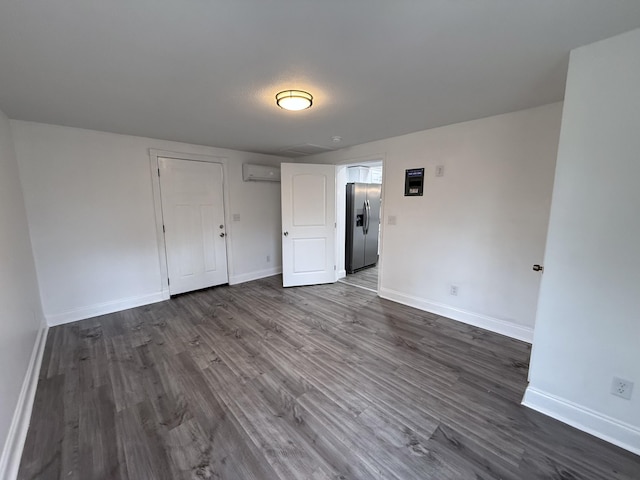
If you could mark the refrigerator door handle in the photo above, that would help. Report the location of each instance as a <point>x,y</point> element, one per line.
<point>364,217</point>
<point>367,207</point>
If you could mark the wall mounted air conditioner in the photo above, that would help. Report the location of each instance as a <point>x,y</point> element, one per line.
<point>262,173</point>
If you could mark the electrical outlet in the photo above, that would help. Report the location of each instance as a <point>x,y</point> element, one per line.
<point>453,290</point>
<point>236,217</point>
<point>621,388</point>
<point>440,171</point>
<point>268,258</point>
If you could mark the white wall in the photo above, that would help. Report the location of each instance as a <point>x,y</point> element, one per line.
<point>20,310</point>
<point>588,325</point>
<point>481,226</point>
<point>90,206</point>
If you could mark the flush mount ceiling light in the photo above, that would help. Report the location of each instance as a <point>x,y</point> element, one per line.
<point>294,100</point>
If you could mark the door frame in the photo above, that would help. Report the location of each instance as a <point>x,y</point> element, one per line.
<point>341,169</point>
<point>157,207</point>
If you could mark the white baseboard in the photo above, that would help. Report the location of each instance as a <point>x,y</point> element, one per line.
<point>602,426</point>
<point>103,308</point>
<point>12,452</point>
<point>90,311</point>
<point>502,327</point>
<point>247,277</point>
<point>342,273</point>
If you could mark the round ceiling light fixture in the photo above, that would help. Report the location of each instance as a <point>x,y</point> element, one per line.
<point>294,100</point>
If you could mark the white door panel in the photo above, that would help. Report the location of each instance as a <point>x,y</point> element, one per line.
<point>309,200</point>
<point>305,255</point>
<point>193,216</point>
<point>308,224</point>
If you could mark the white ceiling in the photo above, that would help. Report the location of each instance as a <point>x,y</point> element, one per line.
<point>206,71</point>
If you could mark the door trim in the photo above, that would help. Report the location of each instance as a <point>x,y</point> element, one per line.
<point>157,207</point>
<point>344,163</point>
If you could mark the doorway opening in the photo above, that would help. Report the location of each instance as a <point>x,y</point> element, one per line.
<point>359,206</point>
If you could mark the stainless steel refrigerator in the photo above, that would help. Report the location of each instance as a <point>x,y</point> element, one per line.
<point>363,225</point>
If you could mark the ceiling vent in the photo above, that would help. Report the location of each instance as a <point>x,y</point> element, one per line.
<point>304,150</point>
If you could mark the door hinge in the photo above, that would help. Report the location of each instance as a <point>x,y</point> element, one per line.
<point>163,230</point>
<point>158,171</point>
<point>168,281</point>
<point>335,225</point>
<point>334,267</point>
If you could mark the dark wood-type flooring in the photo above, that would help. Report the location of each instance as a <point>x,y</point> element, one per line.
<point>367,278</point>
<point>326,382</point>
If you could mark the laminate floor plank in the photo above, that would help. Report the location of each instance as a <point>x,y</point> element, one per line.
<point>325,442</point>
<point>360,439</point>
<point>367,278</point>
<point>71,400</point>
<point>98,443</point>
<point>49,430</point>
<point>283,447</point>
<point>455,448</point>
<point>125,372</point>
<point>257,382</point>
<point>191,451</point>
<point>64,345</point>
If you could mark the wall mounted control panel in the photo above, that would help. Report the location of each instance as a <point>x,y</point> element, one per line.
<point>414,182</point>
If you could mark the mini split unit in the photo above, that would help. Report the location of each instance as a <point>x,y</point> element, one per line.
<point>260,173</point>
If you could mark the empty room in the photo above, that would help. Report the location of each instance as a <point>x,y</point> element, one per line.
<point>313,240</point>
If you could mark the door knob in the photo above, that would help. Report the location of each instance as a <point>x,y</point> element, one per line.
<point>286,234</point>
<point>538,268</point>
<point>222,234</point>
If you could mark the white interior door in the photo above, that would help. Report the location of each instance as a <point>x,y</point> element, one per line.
<point>308,224</point>
<point>193,217</point>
